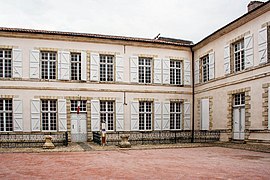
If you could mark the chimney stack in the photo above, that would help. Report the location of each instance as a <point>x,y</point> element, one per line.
<point>254,4</point>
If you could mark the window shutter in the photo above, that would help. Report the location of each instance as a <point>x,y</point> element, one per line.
<point>187,72</point>
<point>62,115</point>
<point>34,64</point>
<point>119,68</point>
<point>187,116</point>
<point>211,65</point>
<point>95,115</point>
<point>197,71</point>
<point>17,63</point>
<point>18,114</point>
<point>157,71</point>
<point>262,45</point>
<point>157,116</point>
<point>227,59</point>
<point>83,66</point>
<point>63,65</point>
<point>205,114</point>
<point>166,116</point>
<point>94,67</point>
<point>166,70</point>
<point>35,114</point>
<point>268,108</point>
<point>119,116</point>
<point>248,41</point>
<point>134,69</point>
<point>134,119</point>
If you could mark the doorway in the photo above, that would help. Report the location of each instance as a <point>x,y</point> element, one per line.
<point>239,117</point>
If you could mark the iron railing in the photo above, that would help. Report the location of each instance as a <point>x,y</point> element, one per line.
<point>158,137</point>
<point>28,140</point>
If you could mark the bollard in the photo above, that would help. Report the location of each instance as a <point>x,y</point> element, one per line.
<point>48,143</point>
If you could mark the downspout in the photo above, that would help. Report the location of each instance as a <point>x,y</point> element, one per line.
<point>193,94</point>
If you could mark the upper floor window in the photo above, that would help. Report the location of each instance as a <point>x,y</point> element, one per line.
<point>239,56</point>
<point>145,70</point>
<point>49,115</point>
<point>106,67</point>
<point>175,72</point>
<point>205,68</point>
<point>76,66</point>
<point>6,122</point>
<point>145,115</point>
<point>48,65</point>
<point>107,114</point>
<point>78,106</point>
<point>5,63</point>
<point>175,115</point>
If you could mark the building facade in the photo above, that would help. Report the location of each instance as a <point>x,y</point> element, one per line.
<point>53,82</point>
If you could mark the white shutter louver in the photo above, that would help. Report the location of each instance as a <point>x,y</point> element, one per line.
<point>197,71</point>
<point>157,116</point>
<point>62,115</point>
<point>119,116</point>
<point>157,71</point>
<point>262,45</point>
<point>187,72</point>
<point>119,68</point>
<point>34,64</point>
<point>166,70</point>
<point>268,108</point>
<point>95,115</point>
<point>227,59</point>
<point>94,67</point>
<point>211,65</point>
<point>83,66</point>
<point>17,63</point>
<point>134,69</point>
<point>166,116</point>
<point>248,42</point>
<point>18,114</point>
<point>186,115</point>
<point>35,115</point>
<point>204,114</point>
<point>134,113</point>
<point>63,65</point>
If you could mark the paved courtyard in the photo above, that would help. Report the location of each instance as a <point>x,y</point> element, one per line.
<point>180,163</point>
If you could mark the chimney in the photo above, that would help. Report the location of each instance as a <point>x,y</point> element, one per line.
<point>253,5</point>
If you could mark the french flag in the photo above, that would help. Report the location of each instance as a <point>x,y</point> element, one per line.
<point>78,108</point>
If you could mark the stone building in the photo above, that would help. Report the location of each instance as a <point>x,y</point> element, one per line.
<point>53,82</point>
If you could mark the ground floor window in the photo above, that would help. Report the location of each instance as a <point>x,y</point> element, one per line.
<point>107,114</point>
<point>175,115</point>
<point>78,106</point>
<point>49,115</point>
<point>6,122</point>
<point>145,115</point>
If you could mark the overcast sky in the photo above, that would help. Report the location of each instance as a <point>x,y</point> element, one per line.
<point>183,19</point>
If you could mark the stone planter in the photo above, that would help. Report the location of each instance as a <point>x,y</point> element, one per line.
<point>48,143</point>
<point>124,141</point>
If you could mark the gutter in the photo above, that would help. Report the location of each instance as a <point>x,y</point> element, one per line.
<point>193,95</point>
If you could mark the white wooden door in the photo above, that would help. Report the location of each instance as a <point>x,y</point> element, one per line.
<point>78,127</point>
<point>239,123</point>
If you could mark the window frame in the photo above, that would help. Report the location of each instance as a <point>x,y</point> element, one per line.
<point>205,68</point>
<point>50,112</point>
<point>174,113</point>
<point>106,65</point>
<point>75,60</point>
<point>109,113</point>
<point>238,53</point>
<point>239,100</point>
<point>45,75</point>
<point>145,113</point>
<point>6,111</point>
<point>74,105</point>
<point>175,69</point>
<point>145,67</point>
<point>7,62</point>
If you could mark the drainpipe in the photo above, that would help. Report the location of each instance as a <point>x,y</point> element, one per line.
<point>193,95</point>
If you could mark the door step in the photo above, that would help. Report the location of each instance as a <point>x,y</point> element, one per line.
<point>239,141</point>
<point>85,146</point>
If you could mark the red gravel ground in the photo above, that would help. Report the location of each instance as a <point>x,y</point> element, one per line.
<point>185,163</point>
